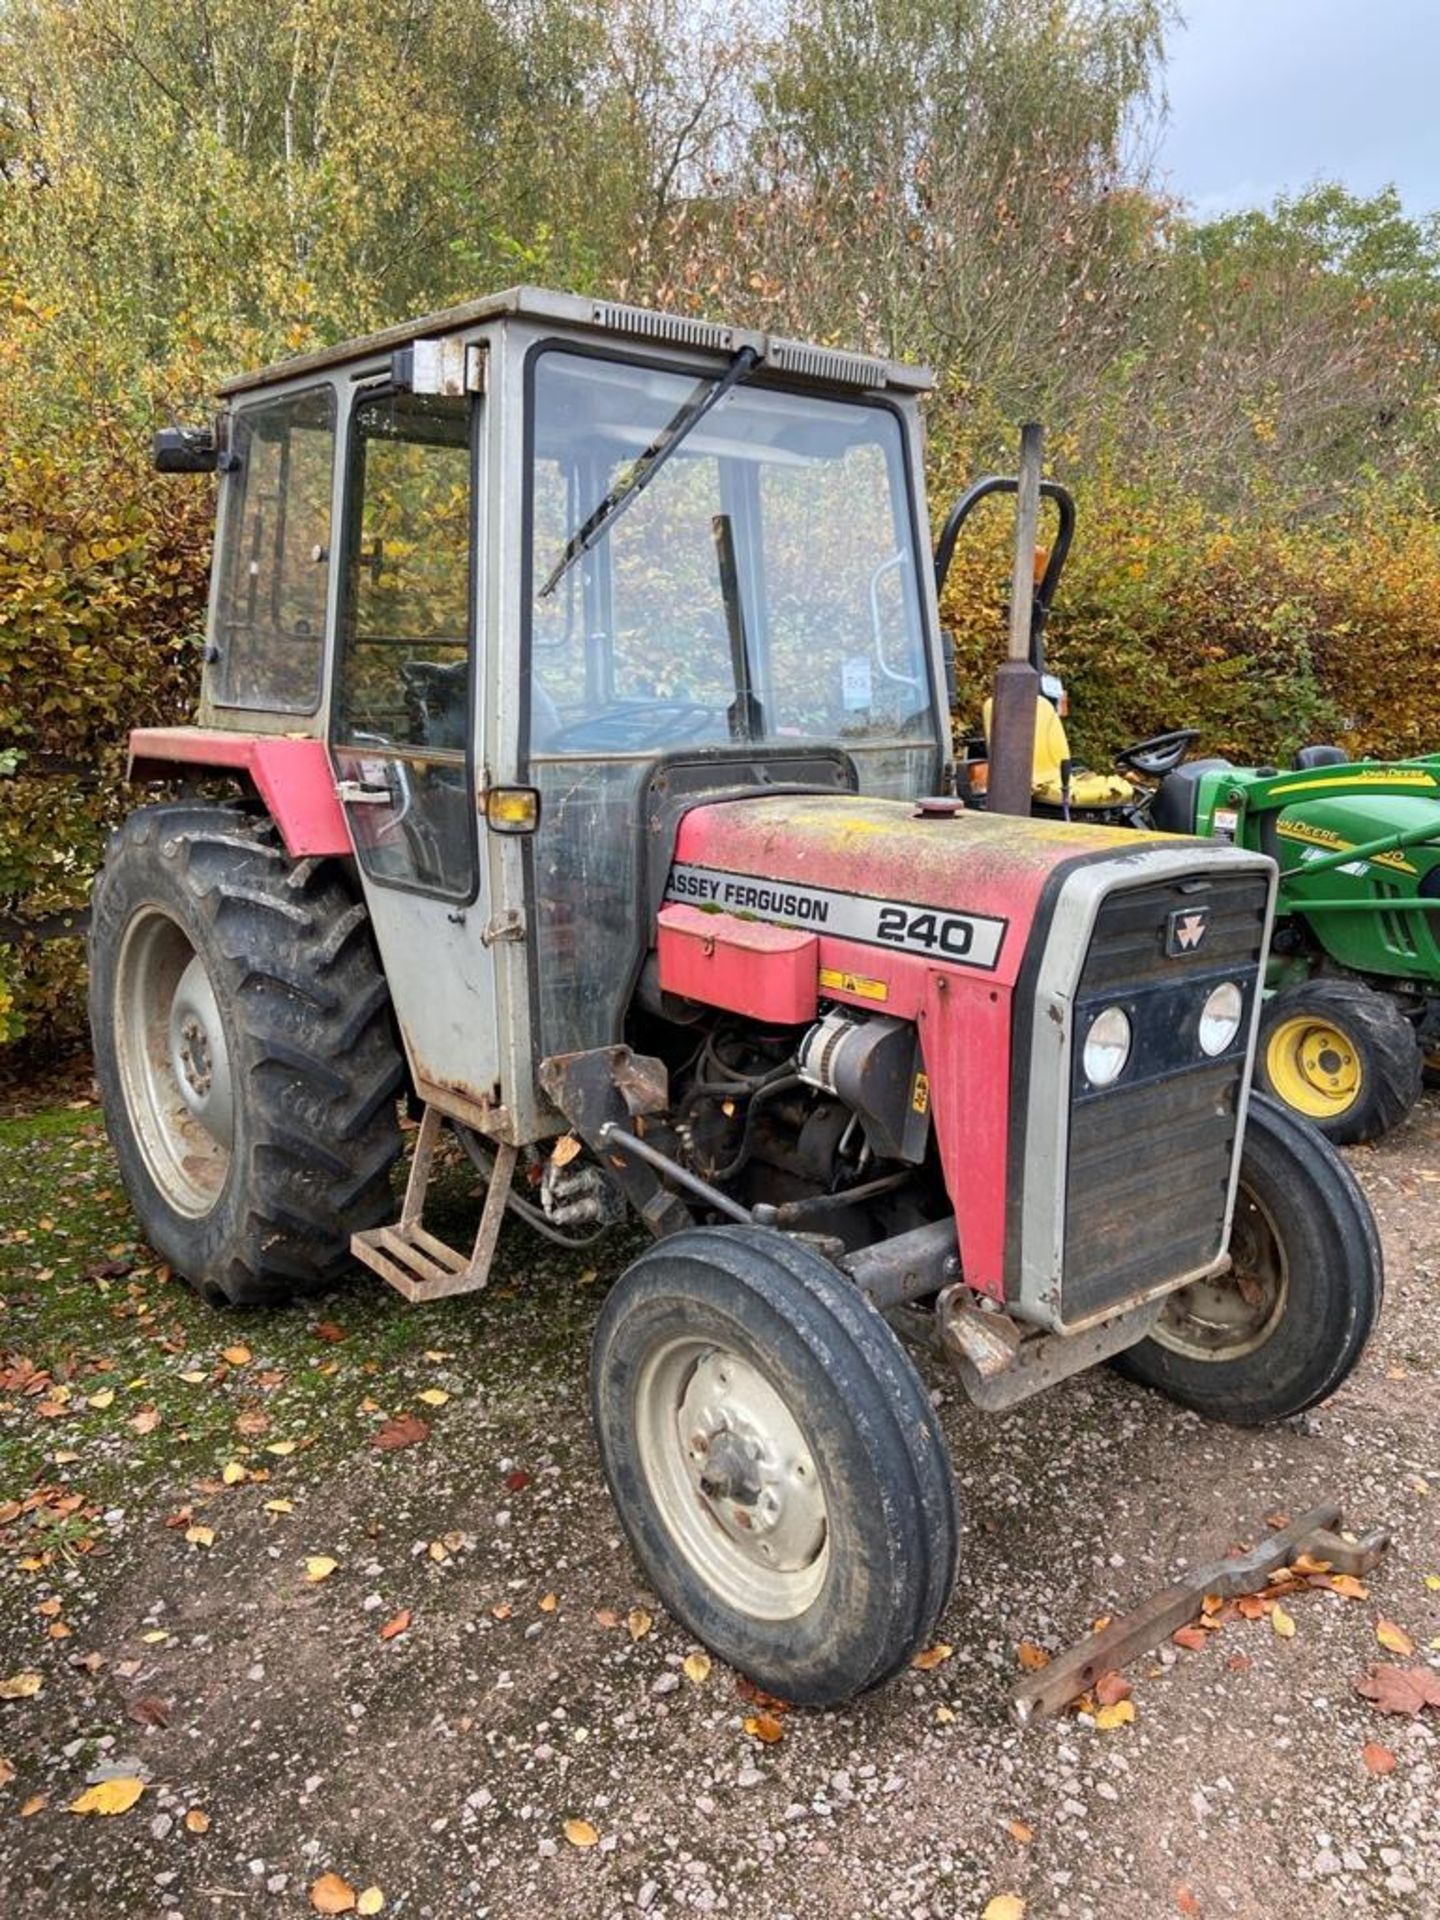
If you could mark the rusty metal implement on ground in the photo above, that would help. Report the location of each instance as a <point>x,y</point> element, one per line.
<point>1074,1672</point>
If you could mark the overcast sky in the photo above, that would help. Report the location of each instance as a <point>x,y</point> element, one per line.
<point>1269,95</point>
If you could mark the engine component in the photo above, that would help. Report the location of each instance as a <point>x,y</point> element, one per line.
<point>873,1064</point>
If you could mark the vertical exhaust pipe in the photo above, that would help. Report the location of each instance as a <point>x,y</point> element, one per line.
<point>1017,682</point>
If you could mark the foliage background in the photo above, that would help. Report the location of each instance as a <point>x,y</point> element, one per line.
<point>1248,409</point>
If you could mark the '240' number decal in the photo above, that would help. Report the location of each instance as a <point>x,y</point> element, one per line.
<point>936,932</point>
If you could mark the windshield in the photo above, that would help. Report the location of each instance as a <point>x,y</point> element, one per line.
<point>761,585</point>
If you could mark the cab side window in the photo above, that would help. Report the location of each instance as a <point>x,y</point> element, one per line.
<point>275,554</point>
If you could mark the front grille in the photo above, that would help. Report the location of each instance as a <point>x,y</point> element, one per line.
<point>1148,1169</point>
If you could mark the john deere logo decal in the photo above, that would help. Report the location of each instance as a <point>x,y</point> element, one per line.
<point>1185,930</point>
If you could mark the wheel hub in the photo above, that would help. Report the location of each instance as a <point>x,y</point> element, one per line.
<point>749,1464</point>
<point>1235,1312</point>
<point>1313,1067</point>
<point>199,1058</point>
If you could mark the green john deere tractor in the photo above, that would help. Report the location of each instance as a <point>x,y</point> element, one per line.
<point>1351,1023</point>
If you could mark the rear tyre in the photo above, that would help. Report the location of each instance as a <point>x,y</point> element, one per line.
<point>775,1461</point>
<point>1281,1331</point>
<point>1341,1054</point>
<point>244,1050</point>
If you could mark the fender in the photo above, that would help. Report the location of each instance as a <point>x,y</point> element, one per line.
<point>292,776</point>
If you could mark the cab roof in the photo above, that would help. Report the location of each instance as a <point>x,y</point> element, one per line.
<point>798,358</point>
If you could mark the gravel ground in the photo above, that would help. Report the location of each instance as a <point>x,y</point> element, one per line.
<point>441,1765</point>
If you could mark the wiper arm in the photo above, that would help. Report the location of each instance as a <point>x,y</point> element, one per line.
<point>642,471</point>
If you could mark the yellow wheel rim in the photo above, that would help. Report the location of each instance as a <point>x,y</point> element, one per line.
<point>1313,1066</point>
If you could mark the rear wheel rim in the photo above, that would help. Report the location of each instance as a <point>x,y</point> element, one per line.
<point>1237,1312</point>
<point>174,1062</point>
<point>1313,1066</point>
<point>733,1478</point>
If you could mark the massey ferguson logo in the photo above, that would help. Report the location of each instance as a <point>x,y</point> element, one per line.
<point>1185,930</point>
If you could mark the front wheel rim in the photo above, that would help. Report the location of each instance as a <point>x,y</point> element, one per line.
<point>1313,1066</point>
<point>733,1478</point>
<point>1237,1312</point>
<point>174,1062</point>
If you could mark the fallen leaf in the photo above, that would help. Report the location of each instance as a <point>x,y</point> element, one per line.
<point>764,1727</point>
<point>370,1901</point>
<point>1432,1580</point>
<point>606,1617</point>
<point>1250,1606</point>
<point>49,1608</point>
<point>149,1711</point>
<point>1377,1758</point>
<point>200,1536</point>
<point>1281,1623</point>
<point>580,1833</point>
<point>1118,1715</point>
<point>1277,1520</point>
<point>502,1609</point>
<point>639,1623</point>
<point>232,1473</point>
<point>110,1796</point>
<point>1307,1563</point>
<point>7,1771</point>
<point>279,1506</point>
<point>104,1398</point>
<point>320,1567</point>
<point>327,1330</point>
<point>21,1686</point>
<point>393,1628</point>
<point>1347,1584</point>
<point>1005,1906</point>
<point>405,1430</point>
<point>197,1821</point>
<point>281,1448</point>
<point>517,1481</point>
<point>1031,1657</point>
<point>1021,1834</point>
<point>1185,1901</point>
<point>1394,1639</point>
<point>933,1656</point>
<point>565,1150</point>
<point>252,1421</point>
<point>433,1396</point>
<point>34,1804</point>
<point>59,1631</point>
<point>331,1894</point>
<point>944,1715</point>
<point>1400,1689</point>
<point>696,1667</point>
<point>1239,1663</point>
<point>155,1637</point>
<point>236,1356</point>
<point>1192,1637</point>
<point>195,1376</point>
<point>549,1602</point>
<point>1112,1687</point>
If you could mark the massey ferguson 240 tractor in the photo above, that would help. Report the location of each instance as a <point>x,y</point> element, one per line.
<point>576,675</point>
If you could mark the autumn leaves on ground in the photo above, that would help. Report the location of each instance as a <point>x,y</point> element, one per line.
<point>328,1610</point>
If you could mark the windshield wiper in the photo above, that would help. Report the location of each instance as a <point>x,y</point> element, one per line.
<point>681,424</point>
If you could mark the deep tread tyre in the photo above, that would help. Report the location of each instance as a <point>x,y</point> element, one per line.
<point>850,1615</point>
<point>1300,1339</point>
<point>1362,1036</point>
<point>301,1025</point>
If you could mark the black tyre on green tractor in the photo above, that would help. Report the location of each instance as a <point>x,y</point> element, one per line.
<point>245,1052</point>
<point>1342,1055</point>
<point>1281,1330</point>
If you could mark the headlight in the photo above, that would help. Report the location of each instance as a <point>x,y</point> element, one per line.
<point>1220,1018</point>
<point>1107,1047</point>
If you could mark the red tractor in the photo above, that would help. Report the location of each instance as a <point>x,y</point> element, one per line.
<point>576,674</point>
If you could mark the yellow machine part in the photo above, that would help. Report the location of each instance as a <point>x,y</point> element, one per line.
<point>1052,748</point>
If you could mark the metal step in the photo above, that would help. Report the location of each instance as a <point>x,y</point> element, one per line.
<point>409,1257</point>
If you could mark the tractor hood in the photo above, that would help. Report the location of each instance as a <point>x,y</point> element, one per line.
<point>854,869</point>
<point>1336,822</point>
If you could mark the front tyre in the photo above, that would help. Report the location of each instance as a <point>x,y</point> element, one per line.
<point>1342,1054</point>
<point>1284,1327</point>
<point>775,1460</point>
<point>245,1052</point>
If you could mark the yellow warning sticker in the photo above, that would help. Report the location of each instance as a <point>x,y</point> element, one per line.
<point>834,981</point>
<point>920,1093</point>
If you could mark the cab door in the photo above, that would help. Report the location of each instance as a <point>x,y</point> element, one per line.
<point>402,731</point>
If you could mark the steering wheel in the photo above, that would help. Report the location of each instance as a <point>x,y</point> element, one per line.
<point>635,723</point>
<point>1160,754</point>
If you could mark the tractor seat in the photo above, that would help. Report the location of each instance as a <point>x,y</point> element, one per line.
<point>1321,757</point>
<point>1052,749</point>
<point>1173,809</point>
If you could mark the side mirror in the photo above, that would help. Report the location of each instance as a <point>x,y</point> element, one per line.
<point>191,450</point>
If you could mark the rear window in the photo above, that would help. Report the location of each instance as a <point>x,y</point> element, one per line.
<point>275,557</point>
